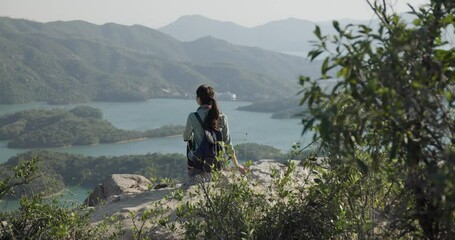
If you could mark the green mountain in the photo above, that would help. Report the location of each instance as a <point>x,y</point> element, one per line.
<point>64,62</point>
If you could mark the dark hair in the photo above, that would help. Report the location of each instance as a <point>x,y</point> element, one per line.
<point>206,95</point>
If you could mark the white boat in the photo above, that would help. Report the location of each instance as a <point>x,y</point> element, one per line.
<point>226,96</point>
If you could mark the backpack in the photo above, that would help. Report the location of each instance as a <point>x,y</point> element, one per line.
<point>205,156</point>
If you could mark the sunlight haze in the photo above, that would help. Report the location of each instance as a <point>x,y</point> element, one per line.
<point>158,13</point>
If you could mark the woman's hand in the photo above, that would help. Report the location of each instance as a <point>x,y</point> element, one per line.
<point>241,169</point>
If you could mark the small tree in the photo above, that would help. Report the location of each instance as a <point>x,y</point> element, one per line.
<point>389,123</point>
<point>41,217</point>
<point>23,173</point>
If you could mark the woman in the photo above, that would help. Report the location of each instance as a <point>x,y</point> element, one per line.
<point>212,118</point>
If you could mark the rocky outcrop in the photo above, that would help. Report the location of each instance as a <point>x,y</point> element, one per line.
<point>116,186</point>
<point>128,195</point>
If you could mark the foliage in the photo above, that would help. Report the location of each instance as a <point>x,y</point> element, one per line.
<point>388,125</point>
<point>239,207</point>
<point>87,112</point>
<point>146,223</point>
<point>296,213</point>
<point>70,170</point>
<point>281,108</point>
<point>271,106</point>
<point>68,62</point>
<point>226,210</point>
<point>254,152</point>
<point>41,217</point>
<point>81,125</point>
<point>46,182</point>
<point>165,131</point>
<point>23,173</point>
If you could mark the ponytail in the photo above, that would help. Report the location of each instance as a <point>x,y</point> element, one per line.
<point>206,95</point>
<point>213,116</point>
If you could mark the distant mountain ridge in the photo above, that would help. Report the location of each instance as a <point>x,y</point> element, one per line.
<point>63,62</point>
<point>291,36</point>
<point>287,35</point>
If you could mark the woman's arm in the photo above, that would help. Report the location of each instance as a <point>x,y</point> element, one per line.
<point>228,142</point>
<point>187,134</point>
<point>240,167</point>
<point>225,131</point>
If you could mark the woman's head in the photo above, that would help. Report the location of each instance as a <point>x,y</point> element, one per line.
<point>206,96</point>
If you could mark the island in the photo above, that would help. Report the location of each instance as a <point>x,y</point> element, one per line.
<point>81,125</point>
<point>280,108</point>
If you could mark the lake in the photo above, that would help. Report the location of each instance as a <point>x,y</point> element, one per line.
<point>245,127</point>
<point>71,196</point>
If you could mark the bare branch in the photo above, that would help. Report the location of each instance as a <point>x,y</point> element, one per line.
<point>22,182</point>
<point>382,15</point>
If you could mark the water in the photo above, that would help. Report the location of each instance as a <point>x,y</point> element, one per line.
<point>245,126</point>
<point>71,196</point>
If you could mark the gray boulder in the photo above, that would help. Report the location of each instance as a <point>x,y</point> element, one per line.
<point>123,204</point>
<point>115,186</point>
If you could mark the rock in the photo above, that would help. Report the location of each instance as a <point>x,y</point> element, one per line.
<point>95,197</point>
<point>114,198</point>
<point>129,195</point>
<point>261,170</point>
<point>118,184</point>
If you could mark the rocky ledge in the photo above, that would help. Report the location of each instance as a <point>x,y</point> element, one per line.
<point>125,196</point>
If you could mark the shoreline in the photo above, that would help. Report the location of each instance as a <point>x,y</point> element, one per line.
<point>173,136</point>
<point>126,141</point>
<point>138,116</point>
<point>139,101</point>
<point>96,144</point>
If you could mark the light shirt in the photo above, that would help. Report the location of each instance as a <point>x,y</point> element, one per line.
<point>194,131</point>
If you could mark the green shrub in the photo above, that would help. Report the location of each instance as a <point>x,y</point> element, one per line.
<point>388,124</point>
<point>233,206</point>
<point>42,217</point>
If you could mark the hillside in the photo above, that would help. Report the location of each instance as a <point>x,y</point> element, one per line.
<point>287,107</point>
<point>65,62</point>
<point>281,108</point>
<point>58,128</point>
<point>86,171</point>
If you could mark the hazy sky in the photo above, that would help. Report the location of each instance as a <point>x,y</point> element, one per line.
<point>157,13</point>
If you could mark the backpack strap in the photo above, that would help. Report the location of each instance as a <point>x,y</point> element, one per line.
<point>199,119</point>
